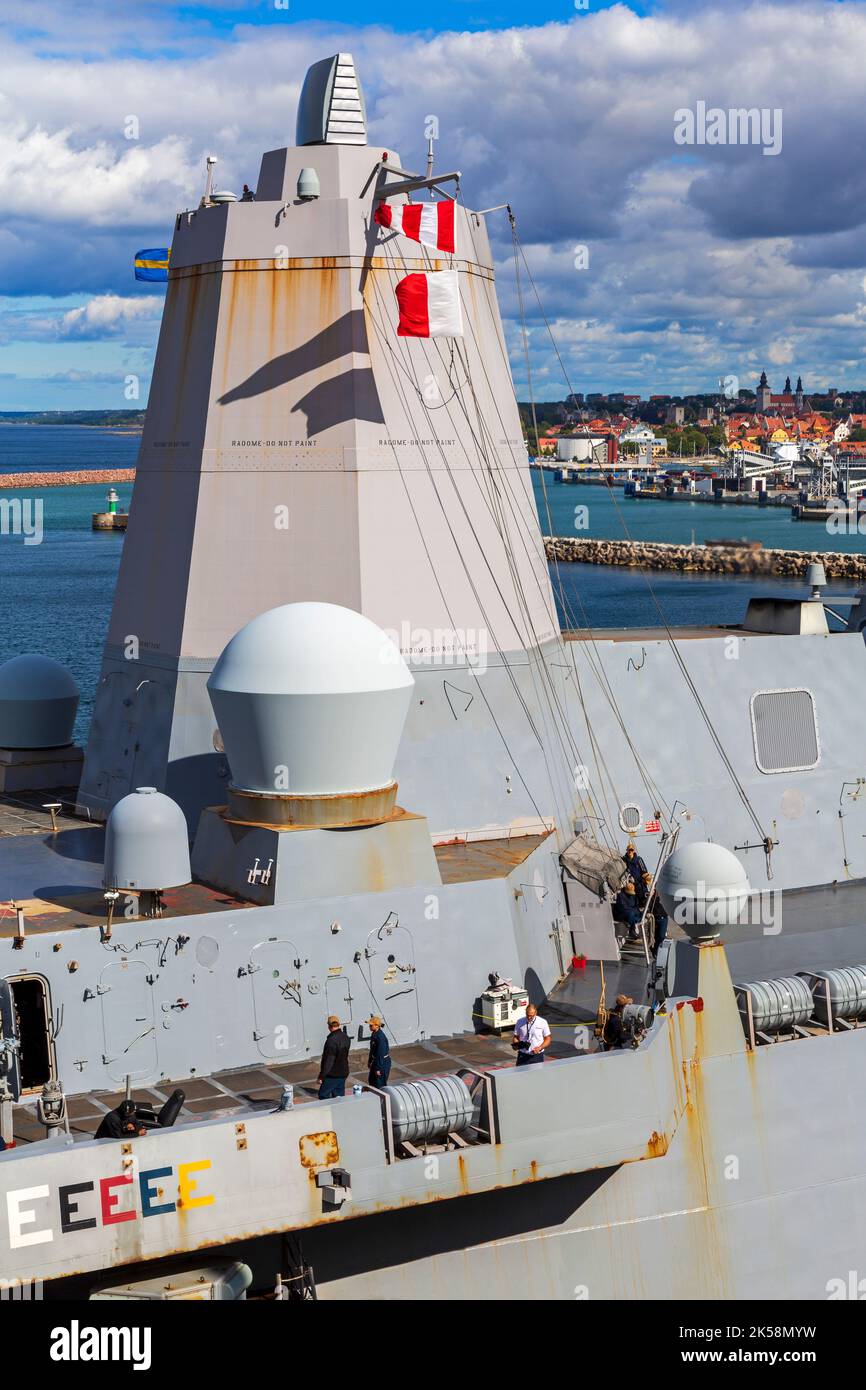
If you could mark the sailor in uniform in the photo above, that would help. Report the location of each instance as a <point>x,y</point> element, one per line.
<point>531,1037</point>
<point>380,1054</point>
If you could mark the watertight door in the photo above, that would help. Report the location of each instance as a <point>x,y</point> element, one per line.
<point>338,995</point>
<point>10,1073</point>
<point>278,1007</point>
<point>392,981</point>
<point>129,1030</point>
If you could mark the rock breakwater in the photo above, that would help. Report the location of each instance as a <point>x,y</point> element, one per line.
<point>79,477</point>
<point>704,559</point>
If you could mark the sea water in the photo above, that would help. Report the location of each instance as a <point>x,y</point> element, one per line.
<point>55,596</point>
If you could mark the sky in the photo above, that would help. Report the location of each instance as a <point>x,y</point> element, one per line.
<point>663,263</point>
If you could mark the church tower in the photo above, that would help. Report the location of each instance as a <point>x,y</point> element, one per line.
<point>762,400</point>
<point>799,395</point>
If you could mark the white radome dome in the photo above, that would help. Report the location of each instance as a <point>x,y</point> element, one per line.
<point>146,843</point>
<point>703,887</point>
<point>315,689</point>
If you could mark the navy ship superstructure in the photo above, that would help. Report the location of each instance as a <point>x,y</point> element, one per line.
<point>348,757</point>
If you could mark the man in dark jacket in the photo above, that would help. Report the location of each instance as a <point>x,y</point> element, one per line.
<point>120,1123</point>
<point>614,1032</point>
<point>335,1061</point>
<point>637,870</point>
<point>660,917</point>
<point>626,910</point>
<point>380,1055</point>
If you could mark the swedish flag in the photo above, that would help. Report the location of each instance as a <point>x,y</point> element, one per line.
<point>152,264</point>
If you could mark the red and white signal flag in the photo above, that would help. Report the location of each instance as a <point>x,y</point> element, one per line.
<point>429,305</point>
<point>430,223</point>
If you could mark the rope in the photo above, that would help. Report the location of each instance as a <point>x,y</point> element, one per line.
<point>740,789</point>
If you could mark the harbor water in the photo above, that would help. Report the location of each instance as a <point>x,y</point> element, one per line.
<point>58,592</point>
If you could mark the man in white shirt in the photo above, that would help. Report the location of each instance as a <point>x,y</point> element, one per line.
<point>531,1037</point>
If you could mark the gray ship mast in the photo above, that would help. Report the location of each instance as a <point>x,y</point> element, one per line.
<point>296,449</point>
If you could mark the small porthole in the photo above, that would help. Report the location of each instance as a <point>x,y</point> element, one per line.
<point>630,817</point>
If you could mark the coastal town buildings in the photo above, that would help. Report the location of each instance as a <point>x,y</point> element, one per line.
<point>816,422</point>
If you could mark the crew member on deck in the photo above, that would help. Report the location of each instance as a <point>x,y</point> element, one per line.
<point>614,1033</point>
<point>380,1054</point>
<point>531,1037</point>
<point>334,1066</point>
<point>638,873</point>
<point>625,909</point>
<point>120,1123</point>
<point>248,196</point>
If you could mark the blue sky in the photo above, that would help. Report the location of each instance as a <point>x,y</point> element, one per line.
<point>700,261</point>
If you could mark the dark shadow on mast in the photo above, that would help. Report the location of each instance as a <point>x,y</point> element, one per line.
<point>344,335</point>
<point>350,396</point>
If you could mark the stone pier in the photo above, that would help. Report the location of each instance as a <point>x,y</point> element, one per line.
<point>705,559</point>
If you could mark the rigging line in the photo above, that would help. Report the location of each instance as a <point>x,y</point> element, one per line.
<point>653,794</point>
<point>596,665</point>
<point>604,776</point>
<point>595,662</point>
<point>493,487</point>
<point>546,673</point>
<point>494,578</point>
<point>537,667</point>
<point>530,656</point>
<point>445,603</point>
<point>740,789</point>
<point>507,665</point>
<point>552,694</point>
<point>529,500</point>
<point>563,601</point>
<point>496,492</point>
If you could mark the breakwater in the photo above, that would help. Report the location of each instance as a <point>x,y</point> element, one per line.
<point>79,477</point>
<point>704,559</point>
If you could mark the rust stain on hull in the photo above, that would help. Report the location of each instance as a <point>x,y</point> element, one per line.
<point>318,1150</point>
<point>657,1146</point>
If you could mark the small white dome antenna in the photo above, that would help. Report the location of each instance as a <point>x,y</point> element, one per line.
<point>816,578</point>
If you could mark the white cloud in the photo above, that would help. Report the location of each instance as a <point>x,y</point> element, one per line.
<point>703,261</point>
<point>107,314</point>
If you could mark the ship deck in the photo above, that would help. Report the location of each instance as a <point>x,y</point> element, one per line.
<point>646,634</point>
<point>56,875</point>
<point>256,1088</point>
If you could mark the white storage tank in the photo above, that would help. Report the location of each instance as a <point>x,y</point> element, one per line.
<point>38,703</point>
<point>426,1110</point>
<point>839,993</point>
<point>310,700</point>
<point>776,1005</point>
<point>574,450</point>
